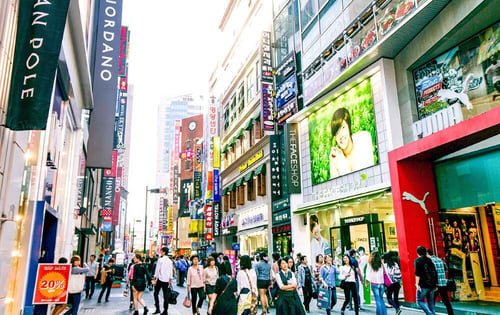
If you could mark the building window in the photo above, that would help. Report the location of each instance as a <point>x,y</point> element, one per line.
<point>251,190</point>
<point>232,199</point>
<point>188,165</point>
<point>261,184</point>
<point>257,132</point>
<point>241,195</point>
<point>225,203</point>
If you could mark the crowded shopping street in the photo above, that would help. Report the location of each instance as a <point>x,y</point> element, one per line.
<point>244,157</point>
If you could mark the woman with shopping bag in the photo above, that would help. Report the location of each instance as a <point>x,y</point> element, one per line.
<point>328,278</point>
<point>76,284</point>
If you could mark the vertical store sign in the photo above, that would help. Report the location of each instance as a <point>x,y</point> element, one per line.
<point>266,74</point>
<point>292,154</point>
<point>209,216</point>
<point>161,214</point>
<point>40,30</point>
<point>217,218</point>
<point>107,192</point>
<point>104,70</point>
<point>122,61</point>
<point>274,143</point>
<point>175,161</point>
<point>117,195</point>
<point>170,223</point>
<point>216,151</point>
<point>216,186</point>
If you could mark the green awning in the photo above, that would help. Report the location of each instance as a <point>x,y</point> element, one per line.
<point>224,191</point>
<point>250,124</point>
<point>240,133</point>
<point>249,176</point>
<point>232,187</point>
<point>257,117</point>
<point>240,182</point>
<point>261,170</point>
<point>224,149</point>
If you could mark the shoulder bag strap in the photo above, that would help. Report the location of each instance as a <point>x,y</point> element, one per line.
<point>249,281</point>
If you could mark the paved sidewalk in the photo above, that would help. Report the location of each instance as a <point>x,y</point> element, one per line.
<point>119,305</point>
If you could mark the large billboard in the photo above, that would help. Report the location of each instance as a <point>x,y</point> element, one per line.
<point>342,137</point>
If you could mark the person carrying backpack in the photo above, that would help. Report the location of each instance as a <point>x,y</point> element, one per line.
<point>182,266</point>
<point>394,272</point>
<point>426,281</point>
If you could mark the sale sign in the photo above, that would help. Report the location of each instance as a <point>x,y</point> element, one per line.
<point>51,283</point>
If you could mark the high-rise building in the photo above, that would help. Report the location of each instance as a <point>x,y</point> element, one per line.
<point>170,110</point>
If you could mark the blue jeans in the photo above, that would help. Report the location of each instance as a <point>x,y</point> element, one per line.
<point>378,293</point>
<point>428,307</point>
<point>74,299</point>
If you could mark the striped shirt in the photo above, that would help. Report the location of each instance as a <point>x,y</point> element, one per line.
<point>441,270</point>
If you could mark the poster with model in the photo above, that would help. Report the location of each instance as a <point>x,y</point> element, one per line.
<point>319,238</point>
<point>467,74</point>
<point>460,231</point>
<point>342,135</point>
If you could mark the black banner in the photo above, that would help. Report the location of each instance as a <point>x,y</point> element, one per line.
<point>40,29</point>
<point>186,185</point>
<point>107,192</point>
<point>217,218</point>
<point>274,143</point>
<point>104,67</point>
<point>293,158</point>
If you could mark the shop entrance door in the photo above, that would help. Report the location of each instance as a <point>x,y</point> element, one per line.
<point>365,231</point>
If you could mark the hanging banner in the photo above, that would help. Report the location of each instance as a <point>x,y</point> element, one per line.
<point>107,224</point>
<point>197,185</point>
<point>51,284</point>
<point>266,68</point>
<point>40,28</point>
<point>117,197</point>
<point>104,71</point>
<point>197,158</point>
<point>122,60</point>
<point>267,112</point>
<point>209,216</point>
<point>107,192</point>
<point>184,197</point>
<point>170,222</point>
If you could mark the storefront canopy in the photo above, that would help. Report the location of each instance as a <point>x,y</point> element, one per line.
<point>261,170</point>
<point>240,182</point>
<point>232,187</point>
<point>224,191</point>
<point>249,176</point>
<point>250,124</point>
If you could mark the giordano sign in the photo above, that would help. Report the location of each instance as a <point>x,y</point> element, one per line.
<point>256,157</point>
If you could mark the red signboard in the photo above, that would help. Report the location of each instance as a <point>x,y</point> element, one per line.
<point>51,284</point>
<point>209,217</point>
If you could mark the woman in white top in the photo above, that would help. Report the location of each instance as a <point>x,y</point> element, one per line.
<point>288,301</point>
<point>375,274</point>
<point>348,278</point>
<point>195,285</point>
<point>210,275</point>
<point>247,285</point>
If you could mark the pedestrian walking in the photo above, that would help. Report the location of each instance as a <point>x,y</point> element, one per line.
<point>375,274</point>
<point>247,287</point>
<point>263,272</point>
<point>442,289</point>
<point>139,279</point>
<point>275,266</point>
<point>328,278</point>
<point>210,276</point>
<point>226,289</point>
<point>195,285</point>
<point>129,275</point>
<point>358,275</point>
<point>364,296</point>
<point>75,284</point>
<point>183,266</point>
<point>288,301</point>
<point>164,272</point>
<point>394,272</point>
<point>348,283</point>
<point>291,265</point>
<point>305,281</point>
<point>426,281</point>
<point>107,279</point>
<point>320,260</point>
<point>90,277</point>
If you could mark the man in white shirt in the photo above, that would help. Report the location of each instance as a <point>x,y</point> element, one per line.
<point>163,279</point>
<point>91,277</point>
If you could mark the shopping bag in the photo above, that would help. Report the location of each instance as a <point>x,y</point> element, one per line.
<point>324,297</point>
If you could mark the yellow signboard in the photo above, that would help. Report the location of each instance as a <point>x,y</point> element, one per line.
<point>256,157</point>
<point>216,152</point>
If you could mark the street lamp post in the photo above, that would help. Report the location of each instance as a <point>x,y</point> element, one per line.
<point>153,191</point>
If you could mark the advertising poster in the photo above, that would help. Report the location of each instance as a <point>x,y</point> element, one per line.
<point>466,74</point>
<point>342,136</point>
<point>51,284</point>
<point>319,224</point>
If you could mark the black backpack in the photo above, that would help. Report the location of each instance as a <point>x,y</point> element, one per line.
<point>430,278</point>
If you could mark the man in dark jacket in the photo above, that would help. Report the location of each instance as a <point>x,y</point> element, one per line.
<point>425,281</point>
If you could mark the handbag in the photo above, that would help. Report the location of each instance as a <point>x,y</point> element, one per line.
<point>251,302</point>
<point>187,301</point>
<point>451,286</point>
<point>76,283</point>
<point>324,298</point>
<point>387,279</point>
<point>172,297</point>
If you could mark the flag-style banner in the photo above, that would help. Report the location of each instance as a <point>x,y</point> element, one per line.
<point>40,28</point>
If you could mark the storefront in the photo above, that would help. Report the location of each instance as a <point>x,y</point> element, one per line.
<point>445,180</point>
<point>346,199</point>
<point>282,229</point>
<point>253,230</point>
